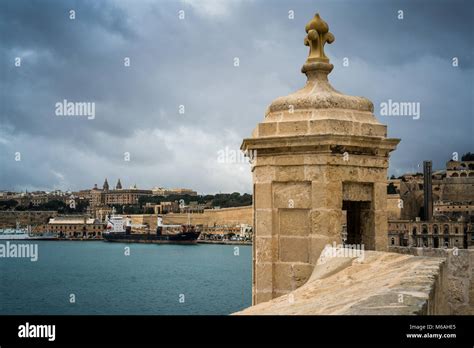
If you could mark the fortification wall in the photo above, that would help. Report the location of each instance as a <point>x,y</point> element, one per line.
<point>394,211</point>
<point>230,216</point>
<point>457,189</point>
<point>24,218</point>
<point>459,286</point>
<point>210,217</point>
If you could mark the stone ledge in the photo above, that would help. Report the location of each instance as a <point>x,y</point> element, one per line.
<point>459,275</point>
<point>381,284</point>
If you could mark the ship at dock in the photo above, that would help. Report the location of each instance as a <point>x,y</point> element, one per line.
<point>119,229</point>
<point>24,233</point>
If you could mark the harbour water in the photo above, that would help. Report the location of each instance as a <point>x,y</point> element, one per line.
<point>99,278</point>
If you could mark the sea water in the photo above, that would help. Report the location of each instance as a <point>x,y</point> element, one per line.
<point>74,277</point>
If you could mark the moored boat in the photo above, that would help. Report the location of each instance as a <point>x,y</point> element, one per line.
<point>19,233</point>
<point>120,230</point>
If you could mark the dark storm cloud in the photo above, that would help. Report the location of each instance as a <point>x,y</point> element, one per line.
<point>190,62</point>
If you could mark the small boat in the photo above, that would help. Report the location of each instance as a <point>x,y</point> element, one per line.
<point>120,230</point>
<point>19,233</point>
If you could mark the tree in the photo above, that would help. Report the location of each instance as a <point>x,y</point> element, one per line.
<point>6,205</point>
<point>118,209</point>
<point>467,157</point>
<point>54,204</point>
<point>223,200</point>
<point>148,211</point>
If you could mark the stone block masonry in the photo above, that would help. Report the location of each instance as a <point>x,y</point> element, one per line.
<point>318,152</point>
<point>458,288</point>
<point>9,219</point>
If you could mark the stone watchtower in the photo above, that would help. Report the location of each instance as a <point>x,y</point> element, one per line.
<point>316,153</point>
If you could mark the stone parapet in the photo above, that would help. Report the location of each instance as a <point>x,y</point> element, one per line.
<point>381,283</point>
<point>459,284</point>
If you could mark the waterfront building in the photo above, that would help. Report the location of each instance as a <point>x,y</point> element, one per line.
<point>75,227</point>
<point>431,234</point>
<point>241,232</point>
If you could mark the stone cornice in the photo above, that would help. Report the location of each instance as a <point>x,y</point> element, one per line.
<point>323,143</point>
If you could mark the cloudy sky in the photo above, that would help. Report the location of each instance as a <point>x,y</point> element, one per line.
<point>190,63</point>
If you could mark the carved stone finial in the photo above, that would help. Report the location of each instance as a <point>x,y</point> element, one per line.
<point>318,35</point>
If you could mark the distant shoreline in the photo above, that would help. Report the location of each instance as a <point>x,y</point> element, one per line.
<point>227,242</point>
<point>222,242</point>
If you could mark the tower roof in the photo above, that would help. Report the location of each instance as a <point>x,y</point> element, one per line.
<point>318,107</point>
<point>317,114</point>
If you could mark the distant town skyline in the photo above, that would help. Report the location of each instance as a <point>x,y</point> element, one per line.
<point>161,90</point>
<point>116,186</point>
<point>183,187</point>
